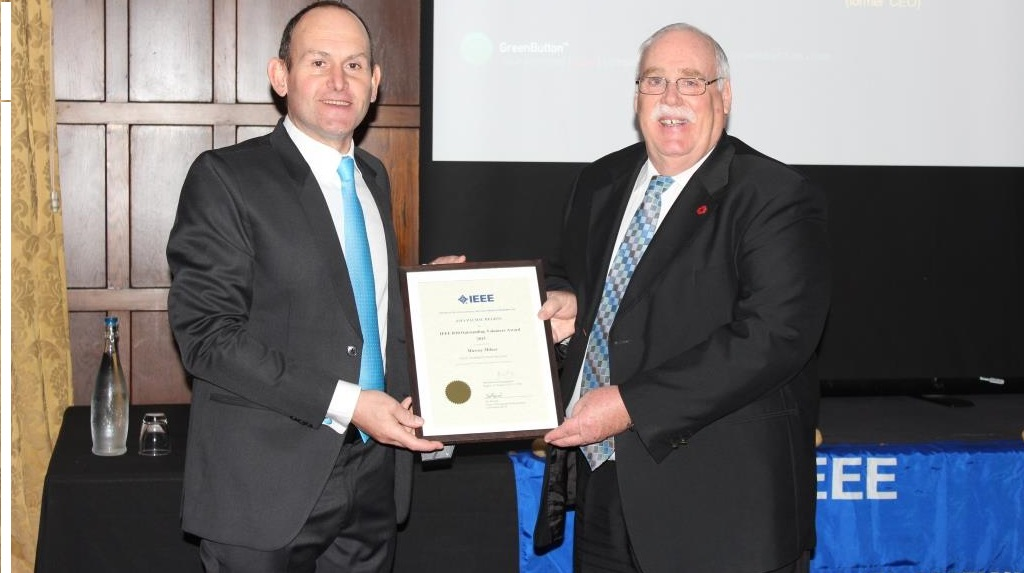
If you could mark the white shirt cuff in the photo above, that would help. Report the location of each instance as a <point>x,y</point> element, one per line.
<point>342,406</point>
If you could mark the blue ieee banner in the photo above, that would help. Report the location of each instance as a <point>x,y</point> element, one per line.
<point>913,508</point>
<point>921,508</point>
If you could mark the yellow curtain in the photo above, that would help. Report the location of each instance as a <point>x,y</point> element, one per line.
<point>40,347</point>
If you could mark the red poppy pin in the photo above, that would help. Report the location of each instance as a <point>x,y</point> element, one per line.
<point>703,209</point>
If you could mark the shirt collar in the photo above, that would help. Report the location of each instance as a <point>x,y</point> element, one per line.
<point>680,179</point>
<point>320,157</point>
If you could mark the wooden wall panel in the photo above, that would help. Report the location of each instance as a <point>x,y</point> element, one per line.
<point>399,150</point>
<point>160,158</point>
<point>396,41</point>
<point>117,51</point>
<point>170,53</point>
<point>225,59</point>
<point>83,198</point>
<point>118,193</point>
<point>260,24</point>
<point>245,132</point>
<point>78,45</point>
<point>157,374</point>
<point>86,330</point>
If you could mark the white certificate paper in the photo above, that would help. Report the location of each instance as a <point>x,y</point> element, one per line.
<point>482,363</point>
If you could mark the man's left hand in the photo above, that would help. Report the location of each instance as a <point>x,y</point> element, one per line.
<point>560,309</point>
<point>598,414</point>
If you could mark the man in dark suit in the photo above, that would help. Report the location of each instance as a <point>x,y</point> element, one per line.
<point>703,364</point>
<point>277,476</point>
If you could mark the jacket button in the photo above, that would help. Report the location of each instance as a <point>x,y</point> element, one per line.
<point>352,351</point>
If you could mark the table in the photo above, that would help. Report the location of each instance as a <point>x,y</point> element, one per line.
<point>114,514</point>
<point>911,485</point>
<point>905,485</point>
<point>122,514</point>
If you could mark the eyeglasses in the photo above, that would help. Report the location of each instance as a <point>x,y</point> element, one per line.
<point>655,85</point>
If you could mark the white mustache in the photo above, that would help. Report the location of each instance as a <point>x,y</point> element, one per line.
<point>662,111</point>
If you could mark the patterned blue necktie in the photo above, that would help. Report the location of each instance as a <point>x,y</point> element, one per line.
<point>596,372</point>
<point>360,270</point>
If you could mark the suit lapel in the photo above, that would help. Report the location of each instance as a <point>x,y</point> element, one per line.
<point>310,196</point>
<point>381,190</point>
<point>694,208</point>
<point>377,183</point>
<point>608,204</point>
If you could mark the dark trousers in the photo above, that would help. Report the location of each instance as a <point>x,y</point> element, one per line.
<point>351,528</point>
<point>600,536</point>
<point>601,539</point>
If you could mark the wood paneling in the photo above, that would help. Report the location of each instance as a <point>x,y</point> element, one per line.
<point>209,114</point>
<point>157,375</point>
<point>170,56</point>
<point>225,58</point>
<point>103,299</point>
<point>83,197</point>
<point>160,158</point>
<point>245,132</point>
<point>143,86</point>
<point>399,150</point>
<point>117,52</point>
<point>260,24</point>
<point>86,330</point>
<point>395,33</point>
<point>117,206</point>
<point>78,45</point>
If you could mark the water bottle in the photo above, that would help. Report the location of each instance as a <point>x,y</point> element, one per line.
<point>109,406</point>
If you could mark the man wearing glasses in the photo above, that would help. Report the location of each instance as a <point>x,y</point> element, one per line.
<point>692,285</point>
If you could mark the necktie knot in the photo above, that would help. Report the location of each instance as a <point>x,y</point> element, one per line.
<point>658,185</point>
<point>346,170</point>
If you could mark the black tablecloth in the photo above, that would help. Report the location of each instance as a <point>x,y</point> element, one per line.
<point>114,514</point>
<point>121,514</point>
<point>922,419</point>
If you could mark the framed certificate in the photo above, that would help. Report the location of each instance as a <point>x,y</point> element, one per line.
<point>482,363</point>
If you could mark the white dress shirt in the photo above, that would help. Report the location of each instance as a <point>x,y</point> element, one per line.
<point>323,160</point>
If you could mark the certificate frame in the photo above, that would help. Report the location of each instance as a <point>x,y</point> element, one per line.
<point>481,364</point>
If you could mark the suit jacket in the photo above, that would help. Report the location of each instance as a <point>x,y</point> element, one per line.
<point>264,316</point>
<point>713,351</point>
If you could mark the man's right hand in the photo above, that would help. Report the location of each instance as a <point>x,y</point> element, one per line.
<point>389,422</point>
<point>448,260</point>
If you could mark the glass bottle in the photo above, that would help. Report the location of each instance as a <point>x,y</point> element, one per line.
<point>109,406</point>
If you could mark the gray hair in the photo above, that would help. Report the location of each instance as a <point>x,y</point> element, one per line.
<point>722,60</point>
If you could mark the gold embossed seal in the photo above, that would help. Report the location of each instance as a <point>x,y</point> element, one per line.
<point>457,391</point>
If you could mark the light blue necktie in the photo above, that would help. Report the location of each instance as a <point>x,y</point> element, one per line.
<point>596,372</point>
<point>360,270</point>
